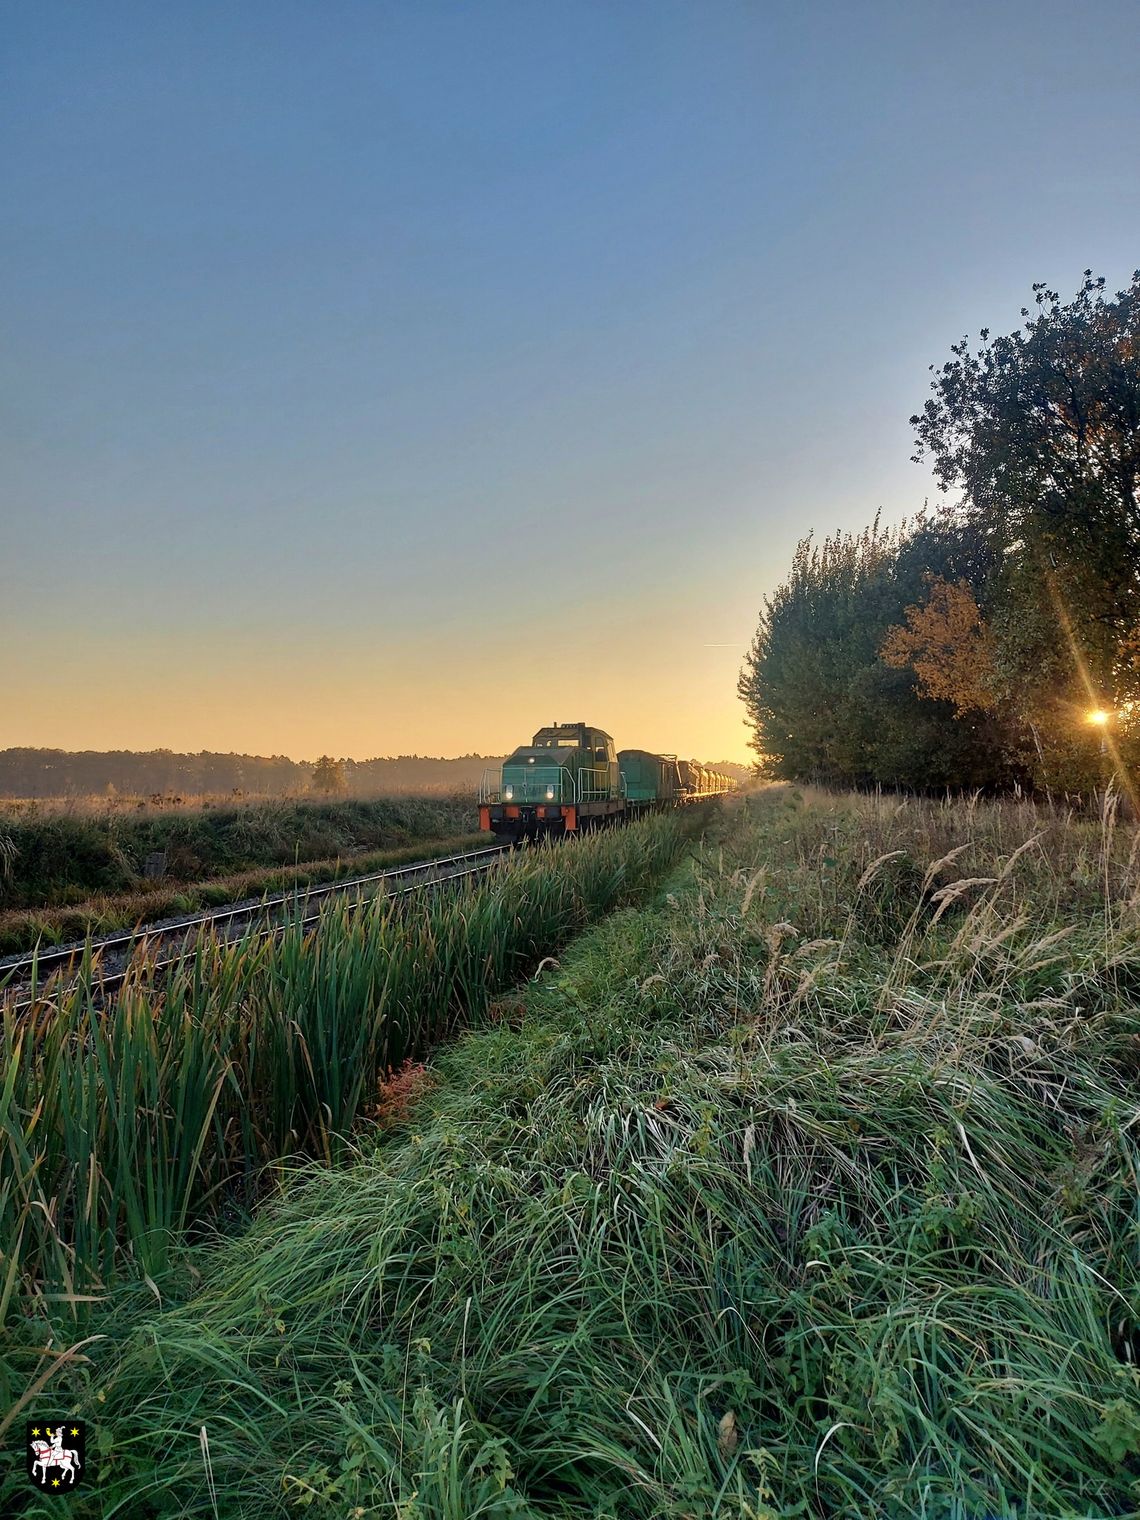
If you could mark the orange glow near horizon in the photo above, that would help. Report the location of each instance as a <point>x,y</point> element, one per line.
<point>654,684</point>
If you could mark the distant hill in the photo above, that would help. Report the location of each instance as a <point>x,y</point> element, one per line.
<point>162,772</point>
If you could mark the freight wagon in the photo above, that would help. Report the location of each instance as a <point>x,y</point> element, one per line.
<point>569,777</point>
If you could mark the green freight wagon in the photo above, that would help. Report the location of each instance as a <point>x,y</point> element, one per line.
<point>648,780</point>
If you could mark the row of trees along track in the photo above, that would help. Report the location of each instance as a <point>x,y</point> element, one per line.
<point>995,640</point>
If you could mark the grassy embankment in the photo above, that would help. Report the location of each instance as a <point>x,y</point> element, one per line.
<point>126,1129</point>
<point>810,1189</point>
<point>66,874</point>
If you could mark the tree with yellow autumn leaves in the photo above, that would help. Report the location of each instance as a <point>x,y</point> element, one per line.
<point>948,646</point>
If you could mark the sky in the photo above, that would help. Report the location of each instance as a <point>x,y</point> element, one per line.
<point>400,377</point>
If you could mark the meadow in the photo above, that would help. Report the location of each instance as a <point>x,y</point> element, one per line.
<point>804,1186</point>
<point>23,929</point>
<point>52,855</point>
<point>80,867</point>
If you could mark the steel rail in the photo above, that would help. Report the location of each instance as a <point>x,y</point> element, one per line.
<point>471,863</point>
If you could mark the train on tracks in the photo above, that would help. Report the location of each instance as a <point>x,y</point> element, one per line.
<point>570,777</point>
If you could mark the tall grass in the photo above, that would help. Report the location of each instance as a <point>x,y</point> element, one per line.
<point>23,929</point>
<point>809,1191</point>
<point>122,1123</point>
<point>56,858</point>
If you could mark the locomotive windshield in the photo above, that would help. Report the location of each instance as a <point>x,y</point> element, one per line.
<point>553,738</point>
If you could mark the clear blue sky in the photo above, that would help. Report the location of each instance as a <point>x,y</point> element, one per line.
<point>387,377</point>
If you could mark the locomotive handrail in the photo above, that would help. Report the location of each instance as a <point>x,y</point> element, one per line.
<point>590,790</point>
<point>531,786</point>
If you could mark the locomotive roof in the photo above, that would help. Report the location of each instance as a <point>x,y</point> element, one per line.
<point>562,733</point>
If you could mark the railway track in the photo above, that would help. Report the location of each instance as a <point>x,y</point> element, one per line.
<point>27,979</point>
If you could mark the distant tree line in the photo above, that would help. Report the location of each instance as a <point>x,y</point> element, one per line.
<point>995,640</point>
<point>164,773</point>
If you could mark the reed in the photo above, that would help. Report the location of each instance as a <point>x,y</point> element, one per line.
<point>125,1122</point>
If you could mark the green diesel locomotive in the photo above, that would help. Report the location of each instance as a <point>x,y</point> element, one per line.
<point>569,777</point>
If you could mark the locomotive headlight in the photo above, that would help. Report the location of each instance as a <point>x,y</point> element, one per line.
<point>550,794</point>
<point>508,792</point>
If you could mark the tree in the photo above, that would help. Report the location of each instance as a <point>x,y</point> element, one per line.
<point>1040,431</point>
<point>823,704</point>
<point>328,776</point>
<point>972,647</point>
<point>948,646</point>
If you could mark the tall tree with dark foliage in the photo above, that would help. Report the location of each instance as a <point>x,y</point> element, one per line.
<point>973,647</point>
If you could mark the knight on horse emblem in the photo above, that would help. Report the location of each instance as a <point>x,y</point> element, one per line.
<point>57,1454</point>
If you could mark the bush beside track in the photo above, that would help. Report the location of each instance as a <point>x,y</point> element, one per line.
<point>809,1190</point>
